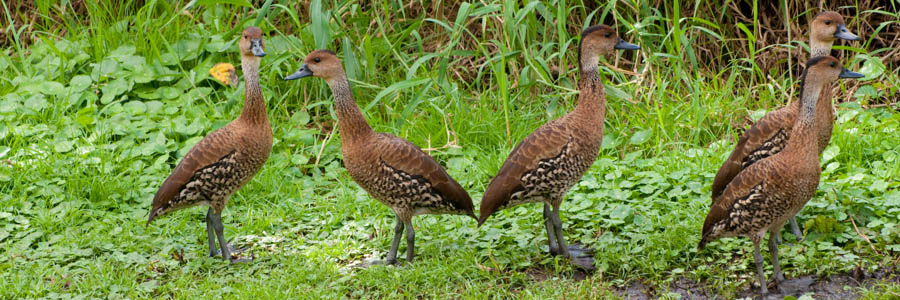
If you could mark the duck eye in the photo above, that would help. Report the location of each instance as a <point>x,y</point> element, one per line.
<point>608,34</point>
<point>833,64</point>
<point>828,22</point>
<point>317,59</point>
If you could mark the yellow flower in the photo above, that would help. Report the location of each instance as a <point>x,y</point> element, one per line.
<point>224,72</point>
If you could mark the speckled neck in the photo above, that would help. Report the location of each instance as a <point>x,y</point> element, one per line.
<point>351,121</point>
<point>254,111</point>
<point>591,97</point>
<point>819,48</point>
<point>803,135</point>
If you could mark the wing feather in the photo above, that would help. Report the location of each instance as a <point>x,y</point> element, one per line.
<point>208,151</point>
<point>409,158</point>
<point>545,142</point>
<point>754,138</point>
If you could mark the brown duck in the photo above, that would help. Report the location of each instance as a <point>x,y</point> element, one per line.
<point>226,159</point>
<point>763,196</point>
<point>547,163</point>
<point>393,170</point>
<point>770,134</point>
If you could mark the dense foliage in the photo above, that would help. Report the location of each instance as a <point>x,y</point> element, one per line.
<point>96,109</point>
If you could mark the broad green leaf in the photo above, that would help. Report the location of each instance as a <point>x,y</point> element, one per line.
<point>104,69</point>
<point>758,114</point>
<point>168,92</point>
<point>299,118</point>
<point>36,102</point>
<point>872,67</point>
<point>154,107</point>
<point>610,141</point>
<point>123,51</point>
<point>641,137</point>
<point>85,116</point>
<point>866,91</point>
<point>135,107</point>
<point>147,93</point>
<point>63,146</point>
<point>52,88</point>
<point>4,62</point>
<point>80,83</point>
<point>621,211</point>
<point>830,153</point>
<point>112,89</point>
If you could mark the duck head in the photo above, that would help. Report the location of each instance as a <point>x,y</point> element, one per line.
<point>826,69</point>
<point>320,63</point>
<point>829,26</point>
<point>600,40</point>
<point>251,43</point>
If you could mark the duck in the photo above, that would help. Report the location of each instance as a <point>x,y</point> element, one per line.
<point>392,170</point>
<point>763,196</point>
<point>771,133</point>
<point>226,159</point>
<point>547,163</point>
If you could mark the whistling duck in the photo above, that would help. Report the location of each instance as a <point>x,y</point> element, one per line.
<point>763,196</point>
<point>394,171</point>
<point>547,163</point>
<point>226,159</point>
<point>770,134</point>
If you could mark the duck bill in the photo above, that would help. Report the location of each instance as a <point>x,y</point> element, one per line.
<point>303,72</point>
<point>843,33</point>
<point>256,48</point>
<point>623,45</point>
<point>850,74</point>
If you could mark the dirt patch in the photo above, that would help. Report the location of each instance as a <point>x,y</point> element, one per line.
<point>840,286</point>
<point>539,274</point>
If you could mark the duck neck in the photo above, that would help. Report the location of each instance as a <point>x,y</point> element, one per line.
<point>803,134</point>
<point>819,47</point>
<point>254,111</point>
<point>351,121</point>
<point>591,97</point>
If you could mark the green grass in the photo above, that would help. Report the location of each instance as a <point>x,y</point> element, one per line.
<point>97,109</point>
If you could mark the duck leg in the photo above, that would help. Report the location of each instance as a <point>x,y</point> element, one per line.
<point>581,257</point>
<point>776,267</point>
<point>210,234</point>
<point>796,229</point>
<point>410,242</point>
<point>551,230</point>
<point>398,233</point>
<point>220,233</point>
<point>758,259</point>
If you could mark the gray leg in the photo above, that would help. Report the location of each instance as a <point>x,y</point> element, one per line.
<point>560,238</point>
<point>398,232</point>
<point>551,230</point>
<point>220,228</point>
<point>581,257</point>
<point>210,234</point>
<point>410,242</point>
<point>758,259</point>
<point>796,229</point>
<point>776,267</point>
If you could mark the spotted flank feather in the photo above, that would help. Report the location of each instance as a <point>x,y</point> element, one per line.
<point>773,145</point>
